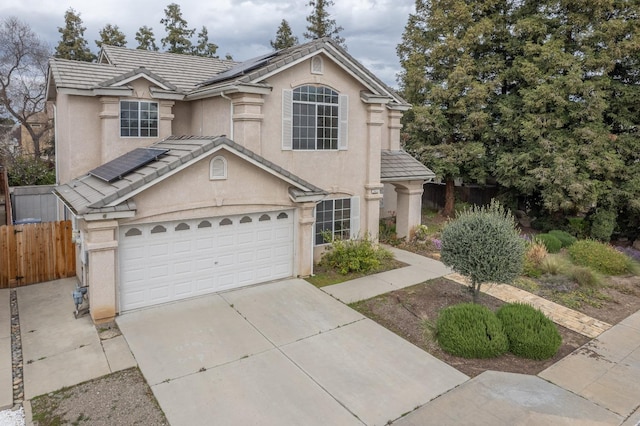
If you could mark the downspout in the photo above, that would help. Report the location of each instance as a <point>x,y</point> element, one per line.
<point>230,113</point>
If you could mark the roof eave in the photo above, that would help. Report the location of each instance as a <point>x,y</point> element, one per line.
<point>260,89</point>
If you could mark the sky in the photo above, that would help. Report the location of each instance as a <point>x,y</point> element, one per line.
<point>242,28</point>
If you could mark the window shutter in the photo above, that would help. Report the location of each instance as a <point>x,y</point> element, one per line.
<point>343,106</point>
<point>354,226</point>
<point>287,119</point>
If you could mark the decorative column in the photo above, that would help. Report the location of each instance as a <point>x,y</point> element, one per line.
<point>408,214</point>
<point>394,126</point>
<point>373,187</point>
<point>110,127</point>
<point>304,243</point>
<point>101,257</point>
<point>165,111</point>
<point>247,120</point>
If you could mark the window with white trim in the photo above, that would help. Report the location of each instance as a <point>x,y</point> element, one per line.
<point>218,168</point>
<point>339,218</point>
<point>138,119</point>
<point>314,118</point>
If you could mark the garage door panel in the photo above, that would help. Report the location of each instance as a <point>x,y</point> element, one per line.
<point>189,258</point>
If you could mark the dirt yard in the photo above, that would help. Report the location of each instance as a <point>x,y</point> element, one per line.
<point>406,311</point>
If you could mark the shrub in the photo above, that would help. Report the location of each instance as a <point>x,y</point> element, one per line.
<point>565,238</point>
<point>536,253</point>
<point>483,244</point>
<point>470,330</point>
<point>530,333</point>
<point>552,243</point>
<point>601,257</point>
<point>585,277</point>
<point>361,255</point>
<point>603,222</point>
<point>578,226</point>
<point>551,265</point>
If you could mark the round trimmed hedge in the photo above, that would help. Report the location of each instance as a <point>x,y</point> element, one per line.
<point>551,242</point>
<point>565,238</point>
<point>599,256</point>
<point>531,334</point>
<point>471,331</point>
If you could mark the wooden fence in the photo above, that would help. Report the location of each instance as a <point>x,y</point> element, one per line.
<point>34,253</point>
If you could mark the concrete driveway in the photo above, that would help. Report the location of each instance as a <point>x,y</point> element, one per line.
<point>280,353</point>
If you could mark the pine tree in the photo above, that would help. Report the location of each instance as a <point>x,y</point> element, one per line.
<point>145,38</point>
<point>320,23</point>
<point>112,36</point>
<point>204,48</point>
<point>178,32</point>
<point>284,37</point>
<point>450,75</point>
<point>73,45</point>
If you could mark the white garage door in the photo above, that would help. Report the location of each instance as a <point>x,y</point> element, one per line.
<point>163,262</point>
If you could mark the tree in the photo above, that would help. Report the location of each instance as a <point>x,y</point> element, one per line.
<point>145,38</point>
<point>484,245</point>
<point>112,36</point>
<point>23,72</point>
<point>451,74</point>
<point>178,33</point>
<point>320,23</point>
<point>284,37</point>
<point>204,48</point>
<point>73,45</point>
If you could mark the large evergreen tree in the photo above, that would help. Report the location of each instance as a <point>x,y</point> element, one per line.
<point>320,22</point>
<point>204,47</point>
<point>178,32</point>
<point>111,35</point>
<point>145,38</point>
<point>452,58</point>
<point>72,44</point>
<point>284,37</point>
<point>546,91</point>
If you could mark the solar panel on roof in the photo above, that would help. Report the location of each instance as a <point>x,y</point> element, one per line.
<point>117,168</point>
<point>241,68</point>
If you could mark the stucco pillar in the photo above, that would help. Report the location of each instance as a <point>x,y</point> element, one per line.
<point>304,245</point>
<point>394,126</point>
<point>110,127</point>
<point>100,245</point>
<point>165,126</point>
<point>408,214</point>
<point>247,120</point>
<point>373,187</point>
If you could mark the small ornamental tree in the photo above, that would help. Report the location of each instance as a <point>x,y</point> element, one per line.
<point>484,245</point>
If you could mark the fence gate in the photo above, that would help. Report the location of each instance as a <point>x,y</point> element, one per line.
<point>37,252</point>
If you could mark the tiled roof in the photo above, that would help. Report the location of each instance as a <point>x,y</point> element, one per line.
<point>89,194</point>
<point>81,75</point>
<point>399,165</point>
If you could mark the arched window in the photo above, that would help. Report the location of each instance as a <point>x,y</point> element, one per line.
<point>226,221</point>
<point>218,168</point>
<point>182,227</point>
<point>133,232</point>
<point>158,229</point>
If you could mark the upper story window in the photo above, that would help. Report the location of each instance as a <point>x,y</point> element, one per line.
<point>138,119</point>
<point>314,118</point>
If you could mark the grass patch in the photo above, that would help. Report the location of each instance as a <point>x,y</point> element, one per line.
<point>578,298</point>
<point>324,275</point>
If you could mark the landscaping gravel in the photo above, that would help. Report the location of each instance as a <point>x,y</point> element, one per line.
<point>12,417</point>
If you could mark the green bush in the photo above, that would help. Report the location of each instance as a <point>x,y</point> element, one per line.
<point>361,255</point>
<point>599,256</point>
<point>578,226</point>
<point>603,222</point>
<point>565,238</point>
<point>552,243</point>
<point>470,330</point>
<point>551,265</point>
<point>483,244</point>
<point>530,269</point>
<point>530,333</point>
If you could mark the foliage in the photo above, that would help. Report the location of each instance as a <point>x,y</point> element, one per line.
<point>112,36</point>
<point>540,95</point>
<point>601,257</point>
<point>72,44</point>
<point>284,37</point>
<point>551,265</point>
<point>603,222</point>
<point>178,33</point>
<point>145,38</point>
<point>578,227</point>
<point>585,276</point>
<point>361,255</point>
<point>23,73</point>
<point>551,242</point>
<point>387,230</point>
<point>483,244</point>
<point>31,171</point>
<point>533,257</point>
<point>566,239</point>
<point>320,23</point>
<point>526,284</point>
<point>470,330</point>
<point>531,334</point>
<point>204,47</point>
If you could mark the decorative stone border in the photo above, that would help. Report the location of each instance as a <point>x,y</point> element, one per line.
<point>16,351</point>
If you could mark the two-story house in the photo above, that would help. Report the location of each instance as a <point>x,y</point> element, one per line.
<point>186,175</point>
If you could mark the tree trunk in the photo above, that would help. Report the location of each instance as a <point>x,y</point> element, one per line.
<point>476,292</point>
<point>449,198</point>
